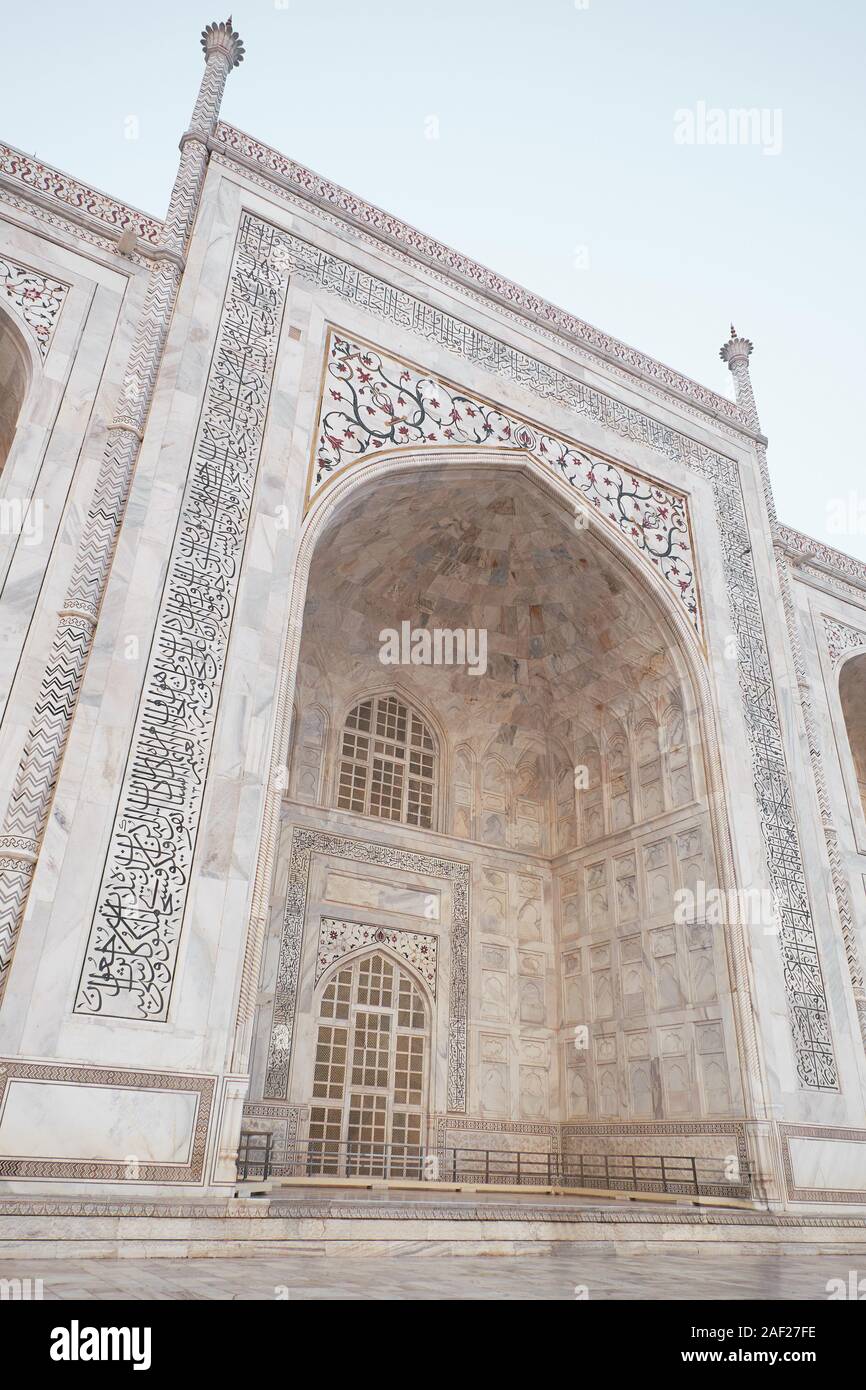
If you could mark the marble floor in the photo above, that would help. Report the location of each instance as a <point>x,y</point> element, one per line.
<point>595,1274</point>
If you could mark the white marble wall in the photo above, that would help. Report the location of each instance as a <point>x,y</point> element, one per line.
<point>201,1037</point>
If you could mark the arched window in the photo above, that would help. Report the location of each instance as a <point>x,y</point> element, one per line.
<point>370,1074</point>
<point>852,693</point>
<point>388,763</point>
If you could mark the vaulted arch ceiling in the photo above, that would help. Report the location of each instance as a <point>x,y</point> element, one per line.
<point>570,636</point>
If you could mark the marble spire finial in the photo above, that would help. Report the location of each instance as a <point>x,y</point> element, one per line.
<point>735,348</point>
<point>736,352</point>
<point>220,37</point>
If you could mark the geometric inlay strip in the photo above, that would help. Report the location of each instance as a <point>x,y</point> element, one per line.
<point>191,1170</point>
<point>129,964</point>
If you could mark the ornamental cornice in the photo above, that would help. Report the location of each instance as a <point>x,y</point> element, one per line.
<point>805,550</point>
<point>46,185</point>
<point>484,284</point>
<point>89,208</point>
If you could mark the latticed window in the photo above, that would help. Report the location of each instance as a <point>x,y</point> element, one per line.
<point>369,1079</point>
<point>388,763</point>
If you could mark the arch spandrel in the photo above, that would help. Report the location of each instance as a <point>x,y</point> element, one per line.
<point>346,941</point>
<point>375,404</point>
<point>35,299</point>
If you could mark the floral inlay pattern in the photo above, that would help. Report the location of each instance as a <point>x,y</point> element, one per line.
<point>64,189</point>
<point>35,298</point>
<point>338,939</point>
<point>373,402</point>
<point>842,639</point>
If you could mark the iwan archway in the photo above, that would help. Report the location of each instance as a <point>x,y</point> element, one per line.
<point>571,818</point>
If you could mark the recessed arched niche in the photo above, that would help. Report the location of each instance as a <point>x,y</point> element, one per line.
<point>555,751</point>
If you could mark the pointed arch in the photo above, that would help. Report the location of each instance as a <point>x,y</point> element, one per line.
<point>531,811</point>
<point>495,799</point>
<point>360,953</point>
<point>649,515</point>
<point>675,740</point>
<point>685,644</point>
<point>564,798</point>
<point>307,769</point>
<point>648,758</point>
<point>590,787</point>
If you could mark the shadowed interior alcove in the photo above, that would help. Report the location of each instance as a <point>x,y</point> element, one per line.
<point>570,774</point>
<point>852,693</point>
<point>14,382</point>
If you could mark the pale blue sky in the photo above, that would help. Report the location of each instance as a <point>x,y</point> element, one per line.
<point>556,132</point>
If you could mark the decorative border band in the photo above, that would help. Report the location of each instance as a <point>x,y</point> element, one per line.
<point>841,639</point>
<point>803,547</point>
<point>848,1196</point>
<point>374,402</point>
<point>342,1208</point>
<point>246,150</point>
<point>98,1170</point>
<point>68,192</point>
<point>129,966</point>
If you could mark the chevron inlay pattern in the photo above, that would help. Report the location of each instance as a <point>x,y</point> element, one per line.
<point>134,938</point>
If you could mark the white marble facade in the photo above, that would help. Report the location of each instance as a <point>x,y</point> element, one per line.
<point>351,428</point>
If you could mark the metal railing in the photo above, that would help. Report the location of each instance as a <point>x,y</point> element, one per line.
<point>260,1159</point>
